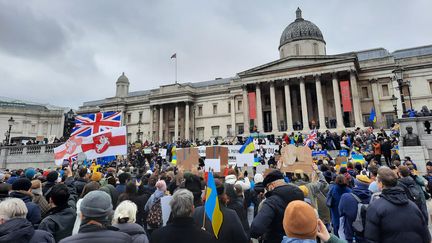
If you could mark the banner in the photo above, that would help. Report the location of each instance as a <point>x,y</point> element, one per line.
<point>108,142</point>
<point>346,96</point>
<point>252,105</point>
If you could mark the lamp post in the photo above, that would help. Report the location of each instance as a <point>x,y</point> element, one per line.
<point>394,102</point>
<point>398,72</point>
<point>139,131</point>
<point>11,121</point>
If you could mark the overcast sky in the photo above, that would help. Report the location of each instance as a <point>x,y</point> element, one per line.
<point>67,52</point>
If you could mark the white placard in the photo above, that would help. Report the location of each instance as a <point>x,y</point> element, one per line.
<point>166,208</point>
<point>261,168</point>
<point>242,159</point>
<point>213,164</point>
<point>162,153</point>
<point>202,151</point>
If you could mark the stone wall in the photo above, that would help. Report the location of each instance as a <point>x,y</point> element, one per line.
<point>36,156</point>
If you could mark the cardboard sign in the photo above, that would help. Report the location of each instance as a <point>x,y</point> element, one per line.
<point>296,158</point>
<point>218,152</point>
<point>187,158</point>
<point>242,159</point>
<point>212,164</point>
<point>162,153</point>
<point>147,151</point>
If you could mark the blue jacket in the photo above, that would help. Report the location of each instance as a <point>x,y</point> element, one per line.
<point>34,212</point>
<point>348,209</point>
<point>335,193</point>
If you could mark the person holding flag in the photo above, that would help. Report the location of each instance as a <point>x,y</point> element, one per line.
<point>248,146</point>
<point>215,218</point>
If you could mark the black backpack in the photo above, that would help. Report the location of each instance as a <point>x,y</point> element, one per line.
<point>359,223</point>
<point>413,193</point>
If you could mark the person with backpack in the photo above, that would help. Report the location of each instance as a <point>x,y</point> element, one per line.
<point>352,210</point>
<point>153,207</point>
<point>413,191</point>
<point>393,217</point>
<point>337,189</point>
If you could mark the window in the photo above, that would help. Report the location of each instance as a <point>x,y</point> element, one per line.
<point>430,86</point>
<point>239,105</point>
<point>129,137</point>
<point>267,100</point>
<point>229,107</point>
<point>315,48</point>
<point>33,128</point>
<point>297,49</point>
<point>366,121</point>
<point>129,118</point>
<point>200,110</point>
<point>214,109</point>
<point>365,92</point>
<point>200,133</point>
<point>229,131</point>
<point>215,131</point>
<point>385,90</point>
<point>240,128</point>
<point>389,120</point>
<point>140,116</point>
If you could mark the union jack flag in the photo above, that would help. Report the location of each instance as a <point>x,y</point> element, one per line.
<point>311,139</point>
<point>88,124</point>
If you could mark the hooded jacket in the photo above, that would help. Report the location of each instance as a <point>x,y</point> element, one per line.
<point>394,218</point>
<point>59,222</point>
<point>34,212</point>
<point>405,183</point>
<point>268,221</point>
<point>348,207</point>
<point>136,231</point>
<point>334,196</point>
<point>21,231</point>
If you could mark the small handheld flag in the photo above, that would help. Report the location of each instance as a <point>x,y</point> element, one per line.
<point>372,116</point>
<point>211,206</point>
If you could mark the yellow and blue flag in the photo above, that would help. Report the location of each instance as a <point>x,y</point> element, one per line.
<point>248,146</point>
<point>372,116</point>
<point>173,156</point>
<point>211,206</point>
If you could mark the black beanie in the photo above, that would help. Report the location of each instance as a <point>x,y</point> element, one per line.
<point>22,184</point>
<point>272,176</point>
<point>52,176</point>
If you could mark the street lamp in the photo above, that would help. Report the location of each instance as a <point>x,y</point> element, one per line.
<point>139,130</point>
<point>398,72</point>
<point>11,121</point>
<point>394,102</point>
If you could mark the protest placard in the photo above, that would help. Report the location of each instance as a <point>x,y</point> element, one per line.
<point>187,158</point>
<point>242,159</point>
<point>162,152</point>
<point>218,152</point>
<point>212,165</point>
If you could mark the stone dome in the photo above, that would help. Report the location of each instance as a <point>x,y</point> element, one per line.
<point>301,29</point>
<point>123,79</point>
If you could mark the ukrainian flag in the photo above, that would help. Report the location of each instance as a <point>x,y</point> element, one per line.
<point>358,158</point>
<point>173,156</point>
<point>248,146</point>
<point>372,116</point>
<point>211,206</point>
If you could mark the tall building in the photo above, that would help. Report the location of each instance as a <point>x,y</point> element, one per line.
<point>305,88</point>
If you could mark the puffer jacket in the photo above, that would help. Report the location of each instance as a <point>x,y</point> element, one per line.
<point>394,218</point>
<point>19,230</point>
<point>34,212</point>
<point>97,234</point>
<point>136,231</point>
<point>268,221</point>
<point>59,222</point>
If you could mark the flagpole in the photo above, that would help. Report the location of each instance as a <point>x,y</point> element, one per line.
<point>176,69</point>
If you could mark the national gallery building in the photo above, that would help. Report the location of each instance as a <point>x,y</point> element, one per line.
<point>303,89</point>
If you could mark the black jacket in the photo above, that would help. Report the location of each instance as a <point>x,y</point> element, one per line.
<point>59,222</point>
<point>182,230</point>
<point>268,221</point>
<point>97,234</point>
<point>79,184</point>
<point>136,231</point>
<point>21,231</point>
<point>34,212</point>
<point>394,218</point>
<point>238,206</point>
<point>231,229</point>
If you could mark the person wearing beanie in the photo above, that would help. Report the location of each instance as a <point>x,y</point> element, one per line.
<point>193,183</point>
<point>125,220</point>
<point>257,193</point>
<point>231,229</point>
<point>268,222</point>
<point>96,209</point>
<point>30,173</point>
<point>60,218</point>
<point>38,198</point>
<point>301,225</point>
<point>21,189</point>
<point>348,206</point>
<point>51,180</point>
<point>82,180</point>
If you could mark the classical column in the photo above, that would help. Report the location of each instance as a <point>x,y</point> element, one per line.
<point>151,124</point>
<point>259,108</point>
<point>246,122</point>
<point>233,114</point>
<point>320,103</point>
<point>275,127</point>
<point>288,109</point>
<point>161,121</point>
<point>358,118</point>
<point>187,115</point>
<point>337,101</point>
<point>376,101</point>
<point>305,116</point>
<point>176,122</point>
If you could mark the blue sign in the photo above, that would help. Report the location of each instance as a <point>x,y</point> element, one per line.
<point>343,153</point>
<point>322,153</point>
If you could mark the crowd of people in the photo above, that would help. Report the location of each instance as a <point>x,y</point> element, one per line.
<point>383,199</point>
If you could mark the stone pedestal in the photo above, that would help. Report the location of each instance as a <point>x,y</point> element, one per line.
<point>419,155</point>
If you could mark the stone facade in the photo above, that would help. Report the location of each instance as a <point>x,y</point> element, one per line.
<point>298,92</point>
<point>32,120</point>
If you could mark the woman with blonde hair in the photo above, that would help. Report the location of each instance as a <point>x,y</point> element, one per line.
<point>124,219</point>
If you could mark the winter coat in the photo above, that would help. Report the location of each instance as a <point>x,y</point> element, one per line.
<point>97,234</point>
<point>46,189</point>
<point>268,221</point>
<point>59,222</point>
<point>20,230</point>
<point>238,206</point>
<point>404,183</point>
<point>231,229</point>
<point>120,188</point>
<point>42,203</point>
<point>34,212</point>
<point>394,218</point>
<point>79,184</point>
<point>136,231</point>
<point>182,230</point>
<point>348,206</point>
<point>334,195</point>
<point>140,201</point>
<point>111,190</point>
<point>333,239</point>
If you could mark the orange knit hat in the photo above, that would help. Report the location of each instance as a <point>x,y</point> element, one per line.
<point>300,220</point>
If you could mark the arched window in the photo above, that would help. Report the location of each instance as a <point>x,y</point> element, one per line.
<point>315,48</point>
<point>297,49</point>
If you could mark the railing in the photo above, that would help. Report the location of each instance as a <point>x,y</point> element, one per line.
<point>30,149</point>
<point>16,150</point>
